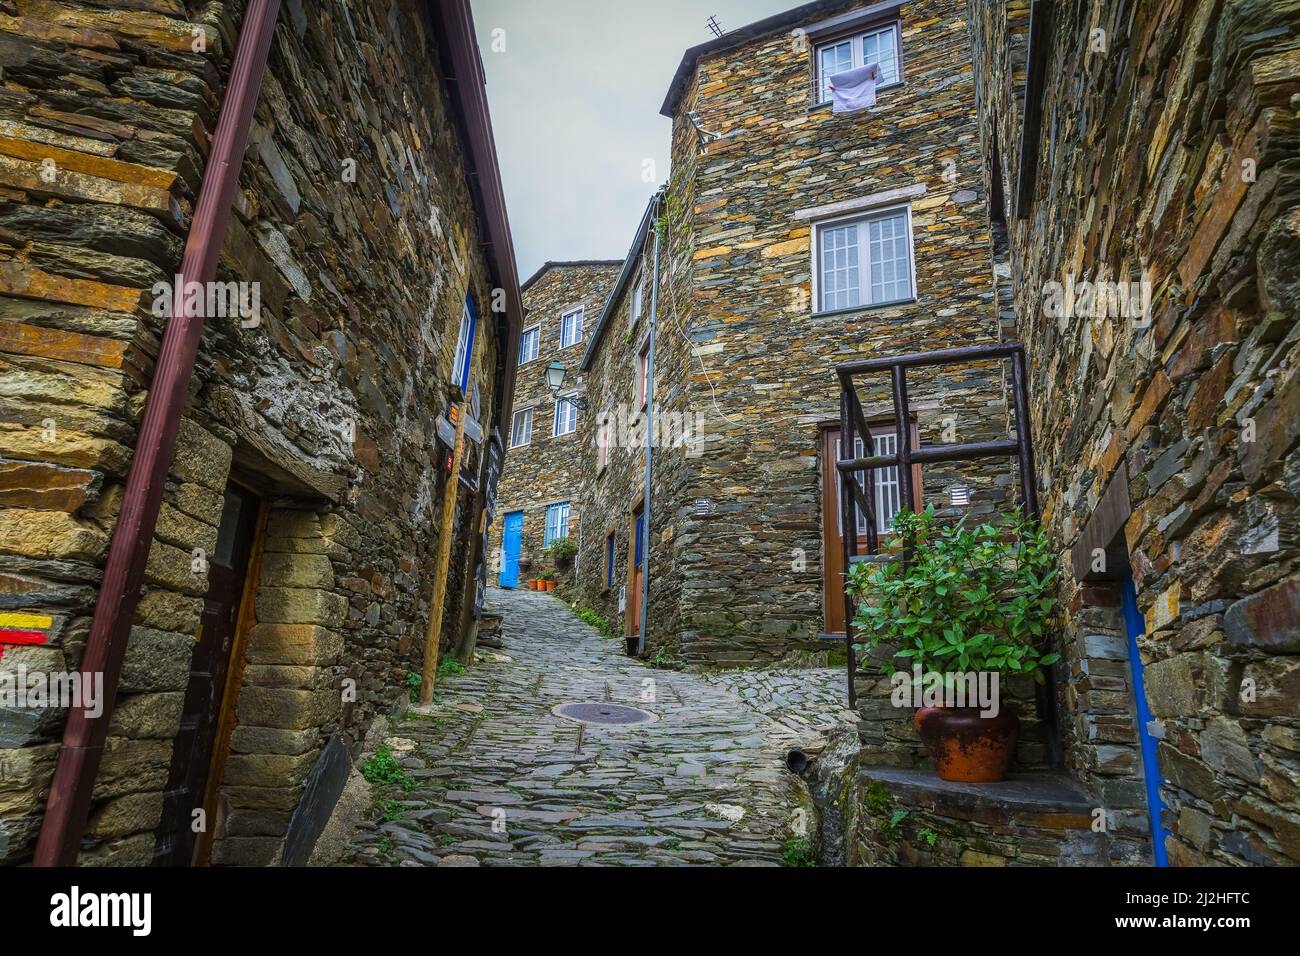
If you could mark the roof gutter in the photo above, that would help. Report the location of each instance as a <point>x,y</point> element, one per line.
<point>630,265</point>
<point>465,79</point>
<point>84,736</point>
<point>652,213</point>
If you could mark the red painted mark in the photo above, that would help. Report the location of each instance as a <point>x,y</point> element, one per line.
<point>20,637</point>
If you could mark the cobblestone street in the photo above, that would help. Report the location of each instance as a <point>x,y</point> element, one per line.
<point>494,777</point>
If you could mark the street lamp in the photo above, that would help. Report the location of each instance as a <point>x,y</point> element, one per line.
<point>555,373</point>
<point>554,376</point>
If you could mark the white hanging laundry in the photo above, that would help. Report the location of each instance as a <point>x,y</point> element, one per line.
<point>855,89</point>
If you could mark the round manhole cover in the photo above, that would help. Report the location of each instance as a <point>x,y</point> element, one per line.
<point>603,714</point>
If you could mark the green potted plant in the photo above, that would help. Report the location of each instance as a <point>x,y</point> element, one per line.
<point>562,552</point>
<point>968,611</point>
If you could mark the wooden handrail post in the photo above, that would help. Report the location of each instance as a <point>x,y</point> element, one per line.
<point>438,599</point>
<point>446,534</point>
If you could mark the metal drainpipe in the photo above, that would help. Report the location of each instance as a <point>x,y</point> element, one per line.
<point>649,434</point>
<point>83,737</point>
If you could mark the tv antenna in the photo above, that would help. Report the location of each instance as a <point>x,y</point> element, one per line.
<point>713,26</point>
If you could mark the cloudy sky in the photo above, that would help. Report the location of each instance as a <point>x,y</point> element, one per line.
<point>575,98</point>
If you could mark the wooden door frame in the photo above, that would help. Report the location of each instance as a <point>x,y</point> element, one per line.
<point>226,719</point>
<point>636,507</point>
<point>878,425</point>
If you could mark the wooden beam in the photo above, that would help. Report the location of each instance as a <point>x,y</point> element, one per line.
<point>446,532</point>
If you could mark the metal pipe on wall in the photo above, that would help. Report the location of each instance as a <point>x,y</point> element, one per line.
<point>649,431</point>
<point>84,736</point>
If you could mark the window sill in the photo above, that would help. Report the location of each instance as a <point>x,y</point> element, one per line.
<point>875,307</point>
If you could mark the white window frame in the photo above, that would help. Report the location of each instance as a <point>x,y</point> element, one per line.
<point>560,402</point>
<point>642,375</point>
<point>856,58</point>
<point>577,315</point>
<point>514,418</point>
<point>864,257</point>
<point>536,332</point>
<point>604,434</point>
<point>638,299</point>
<point>559,508</point>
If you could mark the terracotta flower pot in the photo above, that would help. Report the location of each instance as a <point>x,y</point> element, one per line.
<point>532,584</point>
<point>967,747</point>
<point>550,585</point>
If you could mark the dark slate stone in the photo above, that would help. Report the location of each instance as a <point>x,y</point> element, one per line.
<point>324,784</point>
<point>1269,620</point>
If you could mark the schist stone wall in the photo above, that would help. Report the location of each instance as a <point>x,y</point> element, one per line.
<point>1167,440</point>
<point>356,220</point>
<point>547,468</point>
<point>746,341</point>
<point>612,485</point>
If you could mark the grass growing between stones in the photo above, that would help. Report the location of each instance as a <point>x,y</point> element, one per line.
<point>797,851</point>
<point>450,666</point>
<point>384,769</point>
<point>588,616</point>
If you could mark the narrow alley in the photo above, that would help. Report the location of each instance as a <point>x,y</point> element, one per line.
<point>493,776</point>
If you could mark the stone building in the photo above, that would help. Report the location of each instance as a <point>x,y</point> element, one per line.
<point>538,496</point>
<point>1145,257</point>
<point>1156,148</point>
<point>771,195</point>
<point>616,367</point>
<point>290,572</point>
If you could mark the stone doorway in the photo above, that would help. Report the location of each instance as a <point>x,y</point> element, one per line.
<point>199,749</point>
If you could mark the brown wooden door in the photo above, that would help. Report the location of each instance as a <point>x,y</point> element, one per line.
<point>218,626</point>
<point>887,499</point>
<point>635,577</point>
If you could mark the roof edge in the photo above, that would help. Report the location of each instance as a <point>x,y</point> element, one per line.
<point>466,85</point>
<point>741,36</point>
<point>624,277</point>
<point>550,264</point>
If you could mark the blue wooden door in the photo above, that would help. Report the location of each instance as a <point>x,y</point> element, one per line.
<point>511,538</point>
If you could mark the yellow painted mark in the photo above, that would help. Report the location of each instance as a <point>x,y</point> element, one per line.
<point>28,622</point>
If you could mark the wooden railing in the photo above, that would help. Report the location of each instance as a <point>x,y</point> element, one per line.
<point>853,425</point>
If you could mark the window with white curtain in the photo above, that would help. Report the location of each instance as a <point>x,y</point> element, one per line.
<point>879,46</point>
<point>864,261</point>
<point>529,340</point>
<point>566,416</point>
<point>521,427</point>
<point>571,328</point>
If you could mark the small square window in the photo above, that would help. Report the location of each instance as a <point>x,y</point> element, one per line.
<point>571,328</point>
<point>566,416</point>
<point>638,300</point>
<point>877,46</point>
<point>864,262</point>
<point>521,428</point>
<point>529,341</point>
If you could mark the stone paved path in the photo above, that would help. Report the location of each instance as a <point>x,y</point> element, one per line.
<point>495,778</point>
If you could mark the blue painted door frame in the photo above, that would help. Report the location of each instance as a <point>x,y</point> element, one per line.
<point>512,536</point>
<point>1135,626</point>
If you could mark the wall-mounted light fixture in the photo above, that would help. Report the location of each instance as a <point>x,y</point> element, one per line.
<point>555,374</point>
